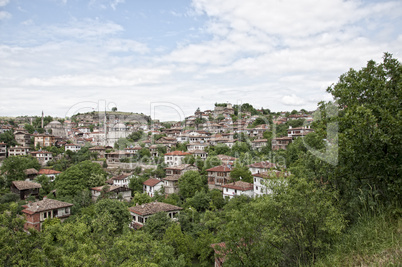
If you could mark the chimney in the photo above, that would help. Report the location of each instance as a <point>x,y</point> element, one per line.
<point>45,197</point>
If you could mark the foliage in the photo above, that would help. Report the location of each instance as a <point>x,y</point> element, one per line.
<point>241,173</point>
<point>8,138</point>
<point>157,225</point>
<point>77,178</point>
<point>290,227</point>
<point>140,198</point>
<point>14,167</point>
<point>182,243</point>
<point>118,211</point>
<point>191,182</point>
<point>135,136</point>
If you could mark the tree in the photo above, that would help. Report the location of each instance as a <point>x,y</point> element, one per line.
<point>182,243</point>
<point>29,128</point>
<point>118,211</point>
<point>8,138</point>
<point>157,225</point>
<point>200,201</point>
<point>191,182</point>
<point>140,198</point>
<point>76,178</point>
<point>241,173</point>
<point>370,134</point>
<point>14,167</point>
<point>293,226</point>
<point>114,109</point>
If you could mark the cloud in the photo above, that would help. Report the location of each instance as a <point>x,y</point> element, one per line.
<point>292,100</point>
<point>4,15</point>
<point>4,2</point>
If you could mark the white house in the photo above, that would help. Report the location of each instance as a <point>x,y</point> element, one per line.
<point>152,185</point>
<point>237,188</point>
<point>121,180</point>
<point>260,167</point>
<point>113,191</point>
<point>175,158</point>
<point>262,182</point>
<point>72,147</point>
<point>43,157</point>
<point>141,213</point>
<point>52,174</point>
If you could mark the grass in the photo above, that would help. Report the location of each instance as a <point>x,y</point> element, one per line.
<point>372,241</point>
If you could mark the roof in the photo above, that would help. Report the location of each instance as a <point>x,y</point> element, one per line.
<point>97,148</point>
<point>24,185</point>
<point>262,164</point>
<point>239,185</point>
<point>178,167</point>
<point>152,182</point>
<point>153,207</point>
<point>260,140</point>
<point>45,204</point>
<point>225,157</point>
<point>177,153</point>
<point>219,169</point>
<point>48,171</point>
<point>30,171</point>
<point>197,151</point>
<point>121,176</point>
<point>111,188</point>
<point>174,177</point>
<point>272,174</point>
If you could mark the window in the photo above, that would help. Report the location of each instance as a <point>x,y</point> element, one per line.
<point>227,189</point>
<point>255,180</point>
<point>140,219</point>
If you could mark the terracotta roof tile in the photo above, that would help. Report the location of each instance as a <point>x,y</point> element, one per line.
<point>152,182</point>
<point>239,185</point>
<point>24,185</point>
<point>219,169</point>
<point>153,207</point>
<point>177,153</point>
<point>43,205</point>
<point>48,171</point>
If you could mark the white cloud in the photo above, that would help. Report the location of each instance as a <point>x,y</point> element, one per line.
<point>4,2</point>
<point>293,100</point>
<point>4,15</point>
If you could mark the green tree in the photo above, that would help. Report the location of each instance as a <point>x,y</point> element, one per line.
<point>200,201</point>
<point>77,178</point>
<point>370,134</point>
<point>8,138</point>
<point>241,173</point>
<point>157,225</point>
<point>293,226</point>
<point>118,211</point>
<point>29,128</point>
<point>191,182</point>
<point>13,167</point>
<point>182,243</point>
<point>140,198</point>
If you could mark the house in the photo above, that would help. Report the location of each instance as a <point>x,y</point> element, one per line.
<point>72,147</point>
<point>262,181</point>
<point>226,160</point>
<point>19,151</point>
<point>121,179</point>
<point>170,184</point>
<point>281,143</point>
<point>36,213</point>
<point>237,188</point>
<point>151,186</point>
<point>196,146</point>
<point>180,169</point>
<point>100,150</point>
<point>220,253</point>
<point>199,153</point>
<point>25,188</point>
<point>31,173</point>
<point>299,131</point>
<point>52,174</point>
<point>141,213</point>
<point>44,140</point>
<point>3,150</point>
<point>113,191</point>
<point>175,158</point>
<point>258,144</point>
<point>262,166</point>
<point>116,156</point>
<point>23,138</point>
<point>43,157</point>
<point>218,176</point>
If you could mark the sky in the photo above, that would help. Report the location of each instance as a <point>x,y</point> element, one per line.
<point>166,58</point>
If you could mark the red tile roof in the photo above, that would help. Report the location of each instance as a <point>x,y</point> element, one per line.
<point>153,207</point>
<point>177,153</point>
<point>45,204</point>
<point>219,169</point>
<point>239,185</point>
<point>48,171</point>
<point>262,164</point>
<point>24,185</point>
<point>152,182</point>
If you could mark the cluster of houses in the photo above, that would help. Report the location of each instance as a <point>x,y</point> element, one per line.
<point>197,132</point>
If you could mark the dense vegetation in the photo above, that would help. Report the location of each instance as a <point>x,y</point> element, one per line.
<point>341,205</point>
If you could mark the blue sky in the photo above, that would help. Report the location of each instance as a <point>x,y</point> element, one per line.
<point>166,58</point>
